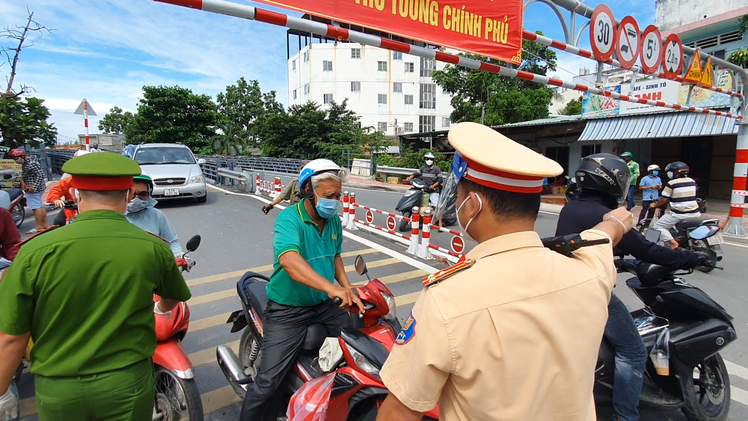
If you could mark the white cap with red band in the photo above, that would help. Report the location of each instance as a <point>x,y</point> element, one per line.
<point>491,159</point>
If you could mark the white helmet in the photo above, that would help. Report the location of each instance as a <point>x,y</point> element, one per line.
<point>653,167</point>
<point>429,155</point>
<point>80,153</point>
<point>314,167</point>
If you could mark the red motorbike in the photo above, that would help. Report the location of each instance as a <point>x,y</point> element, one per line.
<point>177,396</point>
<point>358,391</point>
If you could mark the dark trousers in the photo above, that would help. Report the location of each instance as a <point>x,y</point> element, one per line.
<point>630,204</point>
<point>284,332</point>
<point>648,210</point>
<point>630,360</point>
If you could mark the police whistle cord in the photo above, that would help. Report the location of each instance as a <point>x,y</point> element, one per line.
<point>343,34</point>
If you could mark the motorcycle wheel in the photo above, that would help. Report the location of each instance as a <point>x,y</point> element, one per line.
<point>707,397</point>
<point>405,224</point>
<point>19,214</point>
<point>712,255</point>
<point>176,398</point>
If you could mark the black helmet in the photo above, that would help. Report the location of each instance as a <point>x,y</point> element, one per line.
<point>572,191</point>
<point>605,173</point>
<point>675,168</point>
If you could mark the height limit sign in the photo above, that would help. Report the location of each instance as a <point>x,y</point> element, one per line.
<point>602,33</point>
<point>628,42</point>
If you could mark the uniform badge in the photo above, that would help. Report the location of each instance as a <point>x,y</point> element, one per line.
<point>408,332</point>
<point>437,277</point>
<point>335,236</point>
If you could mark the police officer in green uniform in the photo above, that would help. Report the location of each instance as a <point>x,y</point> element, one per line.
<point>84,294</point>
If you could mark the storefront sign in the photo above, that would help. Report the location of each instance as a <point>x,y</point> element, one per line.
<point>488,28</point>
<point>9,164</point>
<point>704,98</point>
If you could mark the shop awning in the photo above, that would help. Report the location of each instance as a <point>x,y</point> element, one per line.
<point>650,126</point>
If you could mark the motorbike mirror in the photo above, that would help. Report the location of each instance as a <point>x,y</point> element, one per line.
<point>193,243</point>
<point>360,266</point>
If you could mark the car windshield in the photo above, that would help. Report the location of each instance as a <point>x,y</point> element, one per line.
<point>159,156</point>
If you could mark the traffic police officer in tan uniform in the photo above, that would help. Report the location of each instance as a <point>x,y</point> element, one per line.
<point>511,333</point>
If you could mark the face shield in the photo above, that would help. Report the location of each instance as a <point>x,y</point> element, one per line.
<point>623,180</point>
<point>448,196</point>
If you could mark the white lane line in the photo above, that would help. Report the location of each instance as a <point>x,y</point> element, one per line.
<point>745,246</point>
<point>392,253</point>
<point>739,395</point>
<point>736,370</point>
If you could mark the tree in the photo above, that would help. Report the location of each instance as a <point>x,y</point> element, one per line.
<point>574,107</point>
<point>498,99</point>
<point>19,35</point>
<point>24,120</point>
<point>172,114</point>
<point>243,107</point>
<point>115,121</point>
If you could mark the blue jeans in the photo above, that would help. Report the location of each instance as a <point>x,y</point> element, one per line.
<point>630,357</point>
<point>630,198</point>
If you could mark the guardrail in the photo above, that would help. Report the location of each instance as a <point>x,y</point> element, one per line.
<point>241,177</point>
<point>382,169</point>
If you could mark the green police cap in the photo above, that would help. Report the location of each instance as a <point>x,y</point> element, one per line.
<point>101,171</point>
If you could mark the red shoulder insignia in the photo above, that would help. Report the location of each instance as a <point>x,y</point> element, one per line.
<point>32,236</point>
<point>437,277</point>
<point>158,236</point>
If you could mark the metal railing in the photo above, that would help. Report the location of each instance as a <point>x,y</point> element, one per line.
<point>382,169</point>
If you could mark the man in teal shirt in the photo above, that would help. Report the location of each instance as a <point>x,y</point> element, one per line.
<point>307,241</point>
<point>84,294</point>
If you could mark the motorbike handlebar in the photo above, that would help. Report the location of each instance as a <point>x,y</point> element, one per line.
<point>69,204</point>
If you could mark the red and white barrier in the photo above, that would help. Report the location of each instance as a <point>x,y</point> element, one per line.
<point>403,238</point>
<point>423,250</point>
<point>345,209</point>
<point>277,187</point>
<point>414,231</point>
<point>352,212</point>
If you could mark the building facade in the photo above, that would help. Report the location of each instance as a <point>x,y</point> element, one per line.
<point>391,91</point>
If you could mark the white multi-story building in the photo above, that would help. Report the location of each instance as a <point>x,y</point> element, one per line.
<point>387,89</point>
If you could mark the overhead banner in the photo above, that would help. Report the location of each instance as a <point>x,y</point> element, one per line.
<point>487,28</point>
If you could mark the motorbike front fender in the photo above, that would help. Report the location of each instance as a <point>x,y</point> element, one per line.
<point>170,355</point>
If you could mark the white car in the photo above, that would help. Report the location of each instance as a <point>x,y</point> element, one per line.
<point>175,172</point>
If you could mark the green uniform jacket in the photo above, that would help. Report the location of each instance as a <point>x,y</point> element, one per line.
<point>85,292</point>
<point>634,170</point>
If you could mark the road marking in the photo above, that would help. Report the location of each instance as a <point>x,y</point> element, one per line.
<point>398,277</point>
<point>745,246</point>
<point>739,395</point>
<point>406,299</point>
<point>208,355</point>
<point>736,370</point>
<point>213,296</point>
<point>218,399</point>
<point>208,322</point>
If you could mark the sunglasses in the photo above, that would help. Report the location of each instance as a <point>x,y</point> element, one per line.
<point>143,195</point>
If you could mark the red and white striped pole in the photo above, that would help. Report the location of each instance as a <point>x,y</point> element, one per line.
<point>85,120</point>
<point>352,212</point>
<point>345,209</point>
<point>423,251</point>
<point>415,219</point>
<point>257,184</point>
<point>277,187</point>
<point>737,199</point>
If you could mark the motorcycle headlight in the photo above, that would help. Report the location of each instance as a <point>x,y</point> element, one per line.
<point>390,300</point>
<point>197,179</point>
<point>363,362</point>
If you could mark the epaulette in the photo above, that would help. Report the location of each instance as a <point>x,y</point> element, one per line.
<point>31,237</point>
<point>437,277</point>
<point>158,236</point>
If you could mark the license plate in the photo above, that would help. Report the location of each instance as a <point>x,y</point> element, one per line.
<point>715,239</point>
<point>171,192</point>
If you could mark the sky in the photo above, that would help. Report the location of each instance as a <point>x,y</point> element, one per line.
<point>105,51</point>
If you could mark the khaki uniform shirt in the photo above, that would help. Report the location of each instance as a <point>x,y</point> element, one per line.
<point>515,337</point>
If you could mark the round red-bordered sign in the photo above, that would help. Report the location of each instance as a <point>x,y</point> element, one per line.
<point>602,33</point>
<point>672,57</point>
<point>369,216</point>
<point>651,51</point>
<point>628,42</point>
<point>391,222</point>
<point>458,244</point>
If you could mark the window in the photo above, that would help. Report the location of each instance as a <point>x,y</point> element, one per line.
<point>587,150</point>
<point>446,122</point>
<point>355,53</point>
<point>408,99</point>
<point>355,86</point>
<point>381,99</point>
<point>327,66</point>
<point>396,55</point>
<point>408,127</point>
<point>306,56</point>
<point>719,54</point>
<point>397,87</point>
<point>428,65</point>
<point>426,123</point>
<point>382,126</point>
<point>293,65</point>
<point>409,67</point>
<point>294,94</point>
<point>721,39</point>
<point>427,96</point>
<point>382,66</point>
<point>327,98</point>
<point>306,89</point>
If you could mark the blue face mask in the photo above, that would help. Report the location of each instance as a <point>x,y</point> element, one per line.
<point>655,173</point>
<point>326,208</point>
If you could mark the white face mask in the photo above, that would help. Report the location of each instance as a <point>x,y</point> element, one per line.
<point>429,162</point>
<point>465,228</point>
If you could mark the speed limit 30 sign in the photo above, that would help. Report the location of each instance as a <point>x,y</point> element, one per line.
<point>602,32</point>
<point>628,42</point>
<point>673,57</point>
<point>651,51</point>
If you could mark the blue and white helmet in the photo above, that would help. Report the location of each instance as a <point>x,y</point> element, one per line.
<point>315,167</point>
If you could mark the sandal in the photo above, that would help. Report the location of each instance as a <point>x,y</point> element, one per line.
<point>32,231</point>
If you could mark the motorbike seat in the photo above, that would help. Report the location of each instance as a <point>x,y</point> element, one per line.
<point>14,193</point>
<point>689,223</point>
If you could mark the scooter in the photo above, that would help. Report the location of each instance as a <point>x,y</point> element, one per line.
<point>683,330</point>
<point>13,199</point>
<point>699,235</point>
<point>418,195</point>
<point>177,396</point>
<point>358,391</point>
